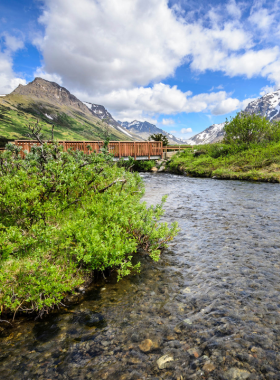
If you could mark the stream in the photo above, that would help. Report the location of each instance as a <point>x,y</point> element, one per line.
<point>209,309</point>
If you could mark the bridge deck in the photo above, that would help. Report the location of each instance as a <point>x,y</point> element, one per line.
<point>139,150</point>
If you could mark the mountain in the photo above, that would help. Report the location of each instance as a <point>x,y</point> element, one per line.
<point>212,134</point>
<point>52,104</point>
<point>144,129</point>
<point>103,114</point>
<point>268,106</point>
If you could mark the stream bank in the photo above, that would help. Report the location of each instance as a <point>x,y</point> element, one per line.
<point>209,309</point>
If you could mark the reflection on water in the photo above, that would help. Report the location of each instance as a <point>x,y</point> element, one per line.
<point>211,305</point>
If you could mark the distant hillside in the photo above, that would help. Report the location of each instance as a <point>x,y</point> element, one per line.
<point>144,129</point>
<point>51,104</point>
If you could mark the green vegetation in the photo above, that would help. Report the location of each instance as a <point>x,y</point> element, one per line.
<point>69,124</point>
<point>159,137</point>
<point>64,215</point>
<point>244,130</point>
<point>136,165</point>
<point>250,151</point>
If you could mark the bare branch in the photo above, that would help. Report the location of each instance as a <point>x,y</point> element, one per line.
<point>111,184</point>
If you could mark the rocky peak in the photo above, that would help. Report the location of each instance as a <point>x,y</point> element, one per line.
<point>101,112</point>
<point>52,92</point>
<point>268,106</point>
<point>145,129</point>
<point>212,134</point>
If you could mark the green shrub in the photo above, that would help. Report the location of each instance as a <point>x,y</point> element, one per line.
<point>64,215</point>
<point>136,165</point>
<point>246,129</point>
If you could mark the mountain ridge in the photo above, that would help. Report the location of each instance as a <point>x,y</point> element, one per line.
<point>52,104</point>
<point>145,129</point>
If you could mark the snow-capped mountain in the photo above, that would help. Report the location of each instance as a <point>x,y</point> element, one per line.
<point>212,134</point>
<point>144,129</point>
<point>103,114</point>
<point>268,106</point>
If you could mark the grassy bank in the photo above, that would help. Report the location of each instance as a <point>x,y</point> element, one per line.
<point>64,215</point>
<point>257,162</point>
<point>250,151</point>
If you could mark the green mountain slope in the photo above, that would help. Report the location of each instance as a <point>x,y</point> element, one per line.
<point>51,104</point>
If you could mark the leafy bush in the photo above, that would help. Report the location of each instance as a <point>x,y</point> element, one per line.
<point>246,129</point>
<point>136,165</point>
<point>64,215</point>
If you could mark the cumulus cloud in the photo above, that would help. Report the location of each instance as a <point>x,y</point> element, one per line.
<point>163,99</point>
<point>104,46</point>
<point>8,79</point>
<point>167,122</point>
<point>186,130</point>
<point>116,53</point>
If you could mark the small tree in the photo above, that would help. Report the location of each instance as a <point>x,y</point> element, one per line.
<point>159,137</point>
<point>246,129</point>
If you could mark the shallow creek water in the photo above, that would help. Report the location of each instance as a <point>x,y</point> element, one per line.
<point>212,303</point>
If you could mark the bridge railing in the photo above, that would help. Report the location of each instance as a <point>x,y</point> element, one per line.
<point>173,148</point>
<point>144,149</point>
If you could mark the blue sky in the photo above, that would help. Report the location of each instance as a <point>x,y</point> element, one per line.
<point>183,65</point>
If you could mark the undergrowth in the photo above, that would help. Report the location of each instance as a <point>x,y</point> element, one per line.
<point>64,215</point>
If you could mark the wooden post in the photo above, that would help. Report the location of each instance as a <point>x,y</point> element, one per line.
<point>134,150</point>
<point>149,151</point>
<point>84,146</point>
<point>64,146</point>
<point>119,150</point>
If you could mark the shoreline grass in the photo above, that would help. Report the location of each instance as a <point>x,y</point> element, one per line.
<point>256,163</point>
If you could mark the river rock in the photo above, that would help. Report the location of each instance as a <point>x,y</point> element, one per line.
<point>186,291</point>
<point>148,345</point>
<point>196,352</point>
<point>236,374</point>
<point>154,169</point>
<point>163,361</point>
<point>208,367</point>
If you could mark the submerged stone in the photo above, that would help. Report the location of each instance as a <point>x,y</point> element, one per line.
<point>163,361</point>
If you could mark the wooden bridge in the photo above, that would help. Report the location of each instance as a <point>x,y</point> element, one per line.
<point>139,150</point>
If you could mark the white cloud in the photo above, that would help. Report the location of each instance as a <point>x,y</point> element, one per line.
<point>162,99</point>
<point>100,47</point>
<point>261,19</point>
<point>220,87</point>
<point>226,106</point>
<point>186,130</point>
<point>109,51</point>
<point>167,122</point>
<point>50,77</point>
<point>8,79</point>
<point>266,89</point>
<point>233,9</point>
<point>103,46</point>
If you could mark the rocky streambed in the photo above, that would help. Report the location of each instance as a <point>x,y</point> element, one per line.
<point>210,309</point>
